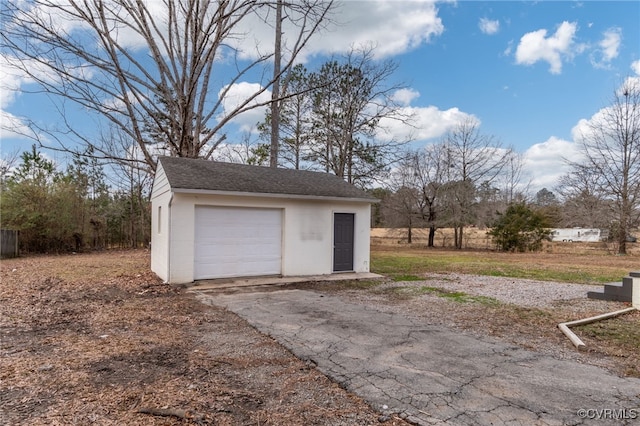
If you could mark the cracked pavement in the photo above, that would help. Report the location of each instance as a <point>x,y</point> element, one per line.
<point>431,374</point>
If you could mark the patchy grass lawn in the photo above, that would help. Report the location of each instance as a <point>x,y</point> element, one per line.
<point>574,268</point>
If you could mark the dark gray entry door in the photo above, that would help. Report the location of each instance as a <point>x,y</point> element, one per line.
<point>343,241</point>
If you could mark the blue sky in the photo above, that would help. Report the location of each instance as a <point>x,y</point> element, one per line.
<point>525,100</point>
<point>531,72</point>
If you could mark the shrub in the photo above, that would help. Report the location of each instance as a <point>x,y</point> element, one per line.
<point>520,229</point>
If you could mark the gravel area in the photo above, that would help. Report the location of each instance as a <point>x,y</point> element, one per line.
<point>522,292</point>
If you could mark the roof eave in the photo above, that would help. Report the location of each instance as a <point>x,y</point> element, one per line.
<point>273,195</point>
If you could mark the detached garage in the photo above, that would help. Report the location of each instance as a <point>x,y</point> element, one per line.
<point>221,220</point>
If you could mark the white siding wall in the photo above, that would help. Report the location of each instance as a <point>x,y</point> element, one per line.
<point>160,199</point>
<point>361,255</point>
<point>307,238</point>
<point>182,239</point>
<point>307,232</point>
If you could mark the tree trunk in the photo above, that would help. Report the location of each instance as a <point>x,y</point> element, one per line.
<point>458,236</point>
<point>275,94</point>
<point>622,239</point>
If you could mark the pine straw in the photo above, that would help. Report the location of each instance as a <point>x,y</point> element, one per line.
<point>97,338</point>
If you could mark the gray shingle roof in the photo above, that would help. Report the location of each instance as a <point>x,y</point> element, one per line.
<point>193,174</point>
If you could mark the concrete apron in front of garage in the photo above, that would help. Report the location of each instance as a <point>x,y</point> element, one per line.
<point>228,283</point>
<point>432,374</point>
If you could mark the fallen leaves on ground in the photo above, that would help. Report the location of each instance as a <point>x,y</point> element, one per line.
<point>98,339</point>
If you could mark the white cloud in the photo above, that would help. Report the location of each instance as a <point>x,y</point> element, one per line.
<point>633,80</point>
<point>610,44</point>
<point>488,26</point>
<point>12,127</point>
<point>583,127</point>
<point>12,80</point>
<point>507,51</point>
<point>118,103</point>
<point>394,27</point>
<point>58,15</point>
<point>426,123</point>
<point>238,93</point>
<point>405,96</point>
<point>536,46</point>
<point>54,13</point>
<point>544,163</point>
<point>608,48</point>
<point>602,118</point>
<point>9,87</point>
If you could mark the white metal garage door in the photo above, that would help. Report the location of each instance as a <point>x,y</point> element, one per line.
<point>237,242</point>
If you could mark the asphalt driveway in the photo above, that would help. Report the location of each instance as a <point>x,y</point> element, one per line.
<point>430,374</point>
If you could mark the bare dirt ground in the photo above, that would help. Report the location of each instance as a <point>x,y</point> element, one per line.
<point>97,339</point>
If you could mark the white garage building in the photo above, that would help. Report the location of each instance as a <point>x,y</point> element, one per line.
<point>220,220</point>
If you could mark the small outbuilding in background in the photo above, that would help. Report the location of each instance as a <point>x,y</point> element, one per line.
<point>220,220</point>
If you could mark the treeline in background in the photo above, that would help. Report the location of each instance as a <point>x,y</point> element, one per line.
<point>76,209</point>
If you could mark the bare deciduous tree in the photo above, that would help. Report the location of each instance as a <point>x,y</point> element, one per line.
<point>402,207</point>
<point>583,203</point>
<point>473,159</point>
<point>611,147</point>
<point>148,65</point>
<point>247,151</point>
<point>428,166</point>
<point>512,186</point>
<point>7,162</point>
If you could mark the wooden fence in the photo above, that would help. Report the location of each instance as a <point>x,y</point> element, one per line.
<point>8,243</point>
